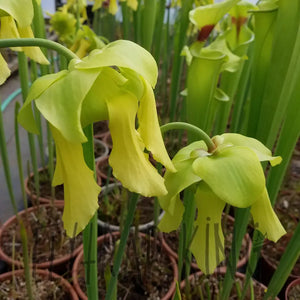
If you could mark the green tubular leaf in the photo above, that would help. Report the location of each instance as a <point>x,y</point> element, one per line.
<point>149,128</point>
<point>66,97</point>
<point>208,243</point>
<point>22,13</point>
<point>80,189</point>
<point>263,153</point>
<point>25,117</point>
<point>210,14</point>
<point>129,162</point>
<point>124,54</point>
<point>265,219</point>
<point>234,174</point>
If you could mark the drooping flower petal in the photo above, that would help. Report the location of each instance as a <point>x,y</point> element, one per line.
<point>265,219</point>
<point>4,70</point>
<point>25,117</point>
<point>80,189</point>
<point>129,162</point>
<point>208,243</point>
<point>149,128</point>
<point>263,153</point>
<point>61,103</point>
<point>34,53</point>
<point>125,54</point>
<point>22,13</point>
<point>8,30</point>
<point>234,174</point>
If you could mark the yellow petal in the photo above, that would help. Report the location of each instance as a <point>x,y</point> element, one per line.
<point>128,160</point>
<point>4,70</point>
<point>208,243</point>
<point>8,30</point>
<point>265,219</point>
<point>21,12</point>
<point>149,128</point>
<point>113,7</point>
<point>34,53</point>
<point>80,189</point>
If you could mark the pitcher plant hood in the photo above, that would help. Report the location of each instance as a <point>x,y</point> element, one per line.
<point>231,174</point>
<point>115,84</point>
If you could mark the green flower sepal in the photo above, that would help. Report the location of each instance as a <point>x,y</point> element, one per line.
<point>115,84</point>
<point>231,174</point>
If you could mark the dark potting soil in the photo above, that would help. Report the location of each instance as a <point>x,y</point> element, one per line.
<point>274,251</point>
<point>288,202</point>
<point>202,285</point>
<point>46,236</point>
<point>172,239</point>
<point>46,187</point>
<point>145,273</point>
<point>100,127</point>
<point>294,293</point>
<point>43,288</point>
<point>113,206</point>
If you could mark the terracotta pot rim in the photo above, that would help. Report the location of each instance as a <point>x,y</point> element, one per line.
<point>194,266</point>
<point>292,284</point>
<point>42,265</point>
<point>222,272</point>
<point>68,287</point>
<point>100,239</point>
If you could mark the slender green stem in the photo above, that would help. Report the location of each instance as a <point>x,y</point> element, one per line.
<point>191,128</point>
<point>31,42</point>
<point>121,248</point>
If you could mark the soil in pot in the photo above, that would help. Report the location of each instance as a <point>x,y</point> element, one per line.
<point>100,128</point>
<point>210,286</point>
<point>47,242</point>
<point>146,272</point>
<point>293,290</point>
<point>272,253</point>
<point>104,171</point>
<point>288,203</point>
<point>113,206</point>
<point>172,241</point>
<point>45,286</point>
<point>46,194</point>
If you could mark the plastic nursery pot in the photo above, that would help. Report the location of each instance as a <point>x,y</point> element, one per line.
<point>45,189</point>
<point>51,249</point>
<point>246,245</point>
<point>214,285</point>
<point>293,290</point>
<point>105,219</point>
<point>67,292</point>
<point>104,243</point>
<point>100,149</point>
<point>271,254</point>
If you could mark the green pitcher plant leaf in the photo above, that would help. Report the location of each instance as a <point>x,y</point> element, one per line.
<point>107,85</point>
<point>231,173</point>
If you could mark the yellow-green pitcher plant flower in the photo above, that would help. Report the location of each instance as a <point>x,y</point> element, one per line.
<point>15,19</point>
<point>230,173</point>
<point>115,84</point>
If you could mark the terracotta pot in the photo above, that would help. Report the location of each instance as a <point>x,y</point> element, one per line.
<point>101,169</point>
<point>56,264</point>
<point>43,199</point>
<point>247,241</point>
<point>290,286</point>
<point>46,274</point>
<point>241,276</point>
<point>79,261</point>
<point>107,227</point>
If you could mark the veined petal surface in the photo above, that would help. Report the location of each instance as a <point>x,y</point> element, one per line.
<point>234,174</point>
<point>208,243</point>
